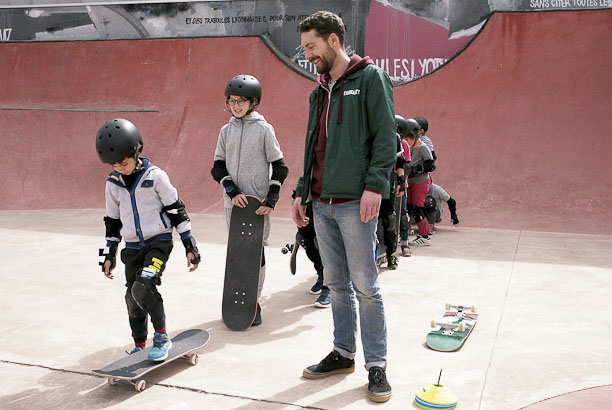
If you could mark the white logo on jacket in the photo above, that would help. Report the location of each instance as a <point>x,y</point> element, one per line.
<point>352,92</point>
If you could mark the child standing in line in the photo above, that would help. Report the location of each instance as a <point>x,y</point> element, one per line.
<point>424,138</point>
<point>421,164</point>
<point>402,127</point>
<point>143,207</point>
<point>246,150</point>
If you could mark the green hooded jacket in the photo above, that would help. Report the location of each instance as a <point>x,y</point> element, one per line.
<point>361,143</point>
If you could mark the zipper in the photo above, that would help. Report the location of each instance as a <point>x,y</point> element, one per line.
<point>135,208</point>
<point>239,150</point>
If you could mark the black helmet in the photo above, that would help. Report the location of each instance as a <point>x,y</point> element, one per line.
<point>423,123</point>
<point>412,126</point>
<point>244,85</point>
<point>430,203</point>
<point>400,125</point>
<point>116,140</point>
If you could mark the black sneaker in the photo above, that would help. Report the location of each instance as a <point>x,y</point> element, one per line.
<point>379,389</point>
<point>316,288</point>
<point>257,320</point>
<point>334,363</point>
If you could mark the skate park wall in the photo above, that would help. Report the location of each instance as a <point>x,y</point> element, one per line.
<point>520,120</point>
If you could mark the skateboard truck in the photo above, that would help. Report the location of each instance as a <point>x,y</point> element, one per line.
<point>287,248</point>
<point>448,329</point>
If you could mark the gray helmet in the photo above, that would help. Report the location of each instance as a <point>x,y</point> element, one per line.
<point>400,125</point>
<point>412,126</point>
<point>117,139</point>
<point>244,85</point>
<point>422,122</point>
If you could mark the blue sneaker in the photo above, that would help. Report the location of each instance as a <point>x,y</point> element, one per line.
<point>161,345</point>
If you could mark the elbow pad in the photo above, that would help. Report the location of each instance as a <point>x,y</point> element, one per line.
<point>219,171</point>
<point>176,213</point>
<point>280,170</point>
<point>113,229</point>
<point>429,165</point>
<point>401,162</point>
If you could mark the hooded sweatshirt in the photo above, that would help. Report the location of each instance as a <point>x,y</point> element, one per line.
<point>356,63</point>
<point>248,146</point>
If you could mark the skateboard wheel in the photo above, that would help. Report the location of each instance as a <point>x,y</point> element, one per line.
<point>447,306</point>
<point>193,359</point>
<point>473,309</point>
<point>140,385</point>
<point>432,323</point>
<point>111,381</point>
<point>461,326</point>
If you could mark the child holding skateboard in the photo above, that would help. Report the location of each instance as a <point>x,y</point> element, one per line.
<point>143,207</point>
<point>246,149</point>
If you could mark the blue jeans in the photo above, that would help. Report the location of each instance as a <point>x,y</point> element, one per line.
<point>347,250</point>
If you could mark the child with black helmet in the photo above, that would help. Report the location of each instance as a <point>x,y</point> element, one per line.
<point>246,150</point>
<point>418,169</point>
<point>142,207</point>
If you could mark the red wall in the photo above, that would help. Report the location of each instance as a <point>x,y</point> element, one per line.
<point>520,120</point>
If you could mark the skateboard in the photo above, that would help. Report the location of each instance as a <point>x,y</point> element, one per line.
<point>451,332</point>
<point>131,368</point>
<point>397,207</point>
<point>242,266</point>
<point>293,248</point>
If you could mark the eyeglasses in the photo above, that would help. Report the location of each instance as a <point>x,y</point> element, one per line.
<point>239,102</point>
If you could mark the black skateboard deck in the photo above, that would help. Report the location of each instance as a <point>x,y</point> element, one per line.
<point>131,368</point>
<point>293,248</point>
<point>293,259</point>
<point>242,266</point>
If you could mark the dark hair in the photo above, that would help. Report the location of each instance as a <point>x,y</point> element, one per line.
<point>325,23</point>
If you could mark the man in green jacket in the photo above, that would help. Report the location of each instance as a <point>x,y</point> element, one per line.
<point>349,155</point>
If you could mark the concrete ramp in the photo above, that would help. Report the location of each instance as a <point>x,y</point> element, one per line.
<point>520,120</point>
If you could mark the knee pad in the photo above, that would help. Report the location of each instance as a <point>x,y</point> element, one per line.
<point>404,223</point>
<point>419,213</point>
<point>133,309</point>
<point>389,222</point>
<point>145,294</point>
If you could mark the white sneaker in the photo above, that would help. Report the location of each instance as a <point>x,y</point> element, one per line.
<point>421,241</point>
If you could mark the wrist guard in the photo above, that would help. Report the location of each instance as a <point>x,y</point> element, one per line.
<point>272,196</point>
<point>110,254</point>
<point>401,181</point>
<point>190,246</point>
<point>230,188</point>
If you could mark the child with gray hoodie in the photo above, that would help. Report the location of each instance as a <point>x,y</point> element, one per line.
<point>246,150</point>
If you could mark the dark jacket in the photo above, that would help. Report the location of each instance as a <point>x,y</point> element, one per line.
<point>361,144</point>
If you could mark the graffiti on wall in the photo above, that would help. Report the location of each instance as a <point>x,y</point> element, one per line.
<point>407,38</point>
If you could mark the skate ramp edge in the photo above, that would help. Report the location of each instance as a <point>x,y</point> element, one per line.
<point>519,119</point>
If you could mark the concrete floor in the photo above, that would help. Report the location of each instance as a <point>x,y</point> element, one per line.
<point>541,332</point>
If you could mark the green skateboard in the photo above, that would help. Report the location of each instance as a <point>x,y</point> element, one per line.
<point>451,332</point>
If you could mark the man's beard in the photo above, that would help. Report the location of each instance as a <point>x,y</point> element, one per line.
<point>327,60</point>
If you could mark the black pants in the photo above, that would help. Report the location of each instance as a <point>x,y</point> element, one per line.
<point>388,224</point>
<point>308,238</point>
<point>154,254</point>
